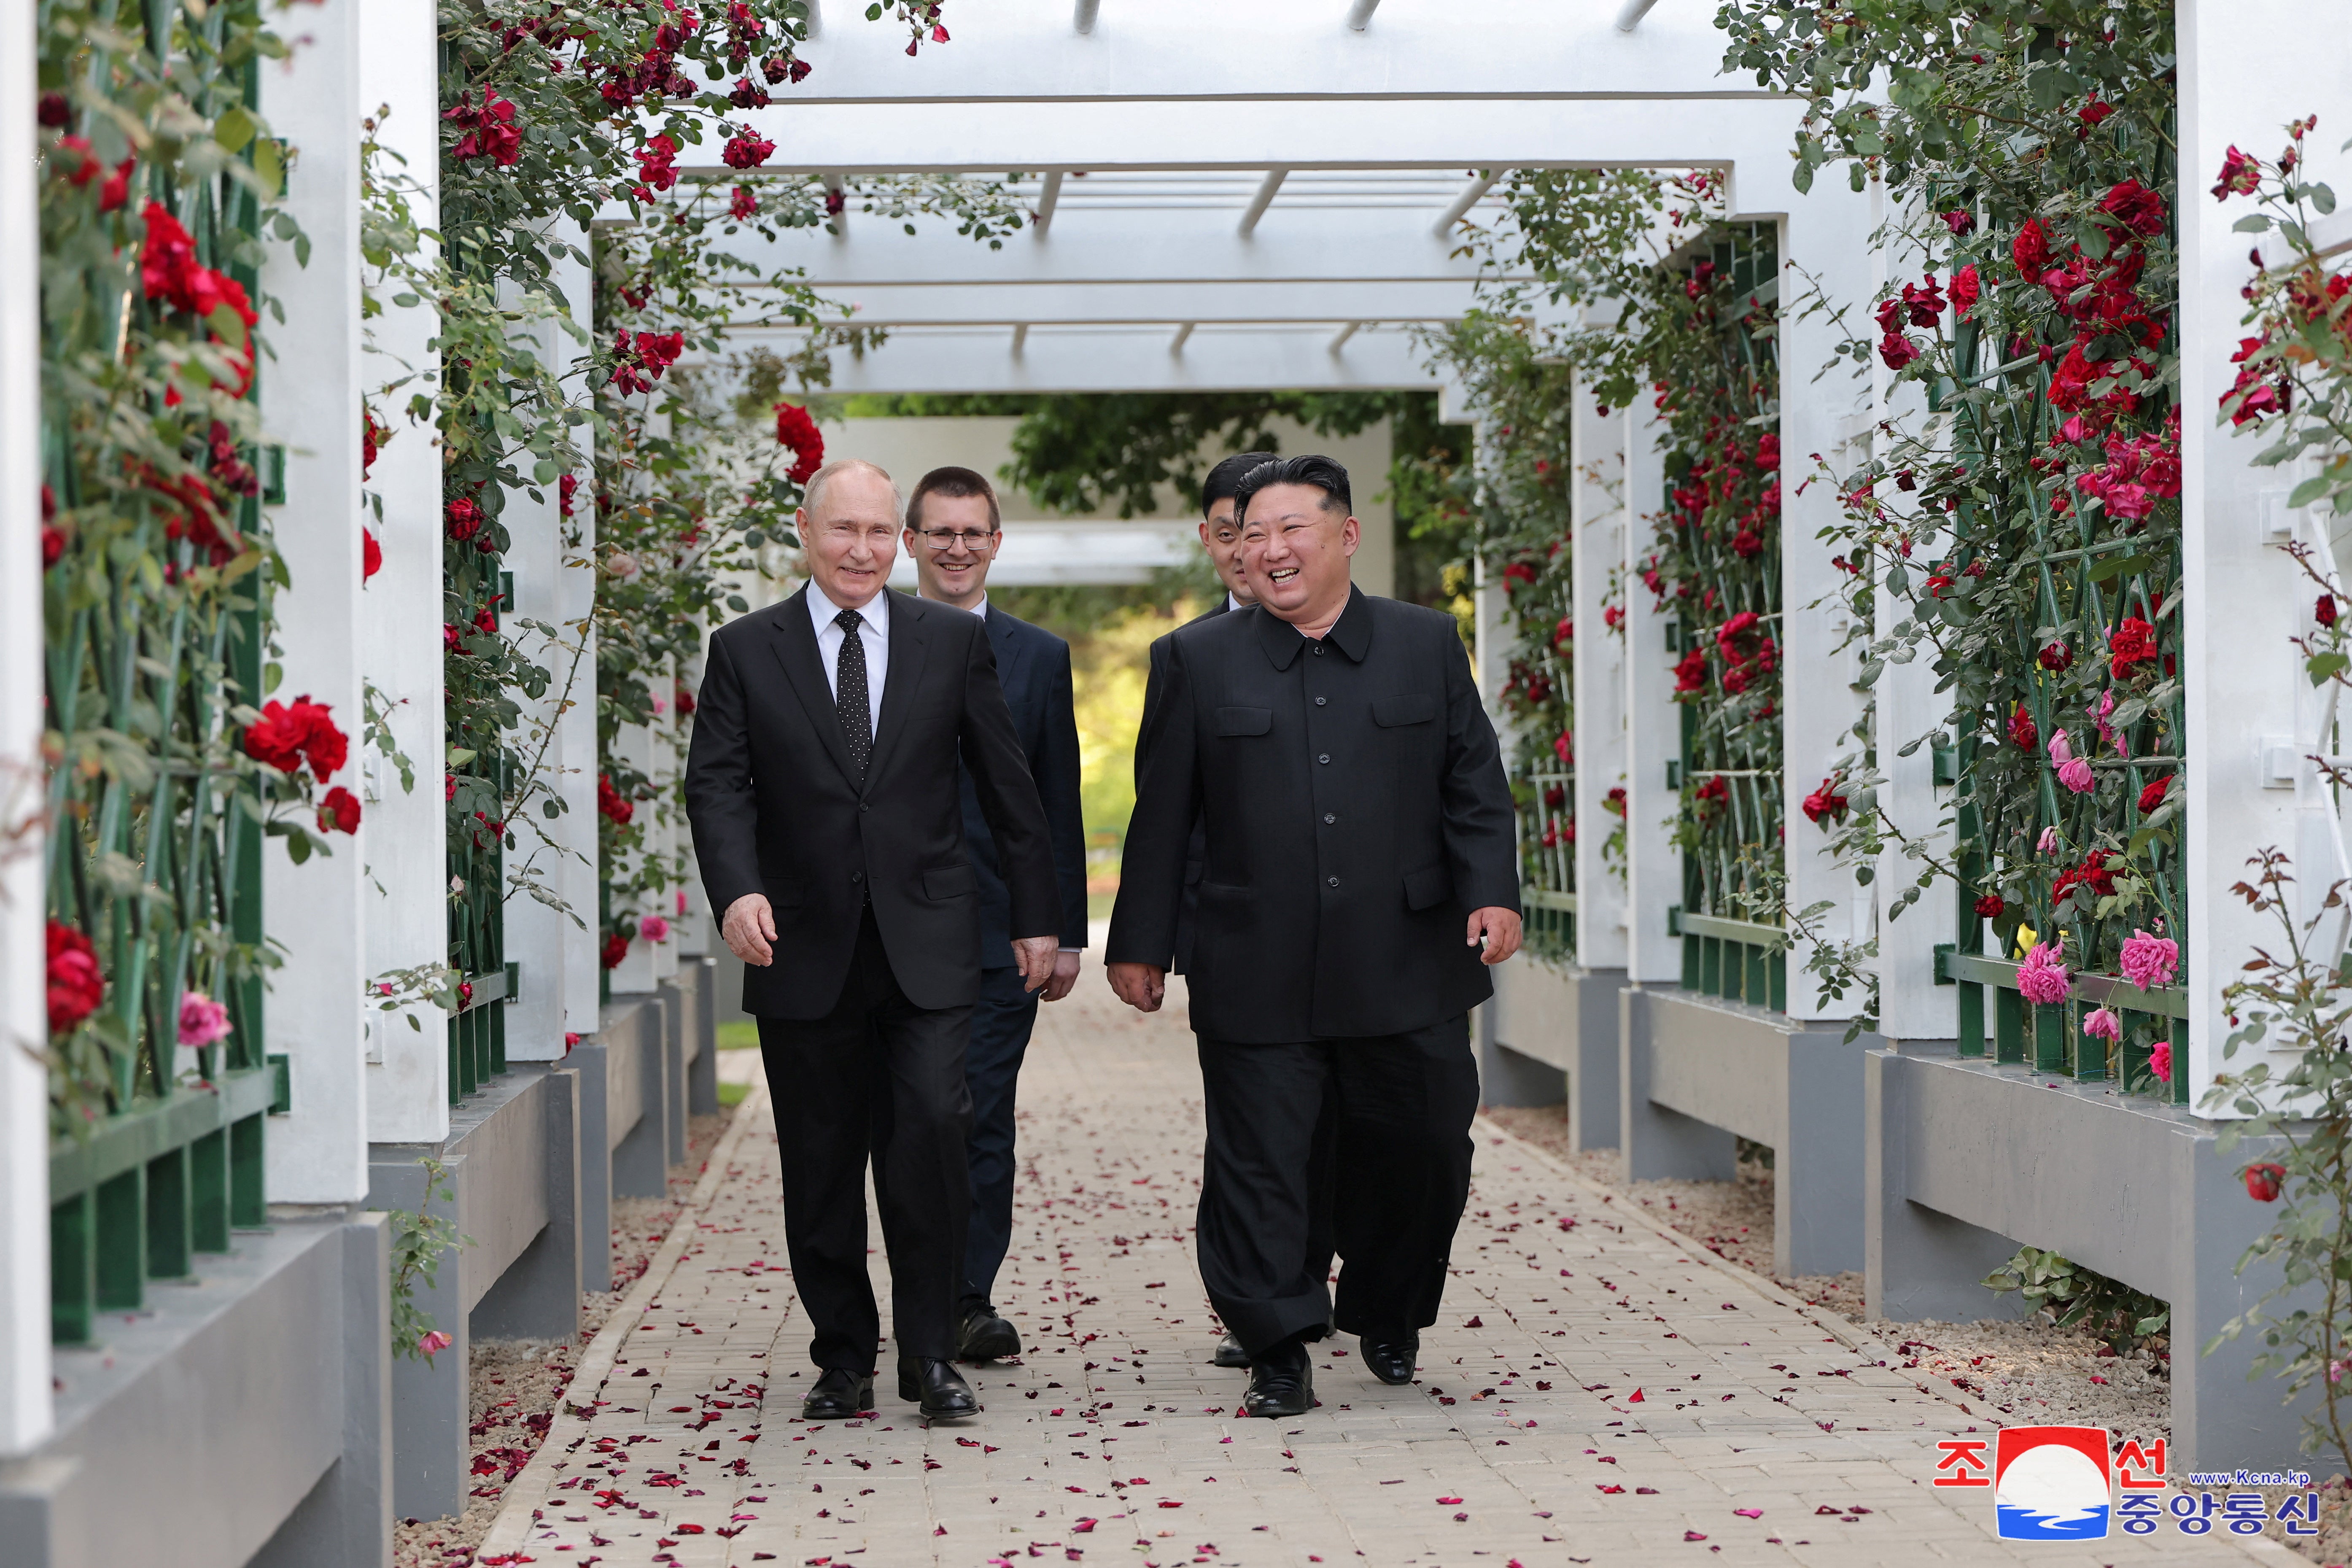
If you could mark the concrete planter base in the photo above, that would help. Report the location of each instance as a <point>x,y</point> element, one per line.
<point>1967,1160</point>
<point>248,1411</point>
<point>1548,1021</point>
<point>1696,1070</point>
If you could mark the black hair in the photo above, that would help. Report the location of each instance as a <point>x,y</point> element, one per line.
<point>956,484</point>
<point>1225,478</point>
<point>1307,468</point>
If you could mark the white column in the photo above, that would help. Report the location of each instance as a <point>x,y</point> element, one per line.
<point>1824,243</point>
<point>573,606</point>
<point>1599,514</point>
<point>1653,865</point>
<point>310,401</point>
<point>2240,674</point>
<point>668,829</point>
<point>407,901</point>
<point>24,1409</point>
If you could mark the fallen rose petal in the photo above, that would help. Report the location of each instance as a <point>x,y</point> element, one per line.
<point>1694,1535</point>
<point>1748,1512</point>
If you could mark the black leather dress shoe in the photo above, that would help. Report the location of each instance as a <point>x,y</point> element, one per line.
<point>1230,1353</point>
<point>937,1387</point>
<point>1392,1360</point>
<point>1282,1383</point>
<point>838,1394</point>
<point>984,1336</point>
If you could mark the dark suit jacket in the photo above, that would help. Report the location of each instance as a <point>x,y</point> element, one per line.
<point>1033,666</point>
<point>1356,812</point>
<point>775,811</point>
<point>1156,683</point>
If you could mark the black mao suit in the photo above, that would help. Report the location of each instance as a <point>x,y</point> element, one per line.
<point>877,960</point>
<point>1354,811</point>
<point>1034,667</point>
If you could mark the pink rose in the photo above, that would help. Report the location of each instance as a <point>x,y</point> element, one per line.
<point>2041,978</point>
<point>2105,1024</point>
<point>653,928</point>
<point>2075,774</point>
<point>2159,1060</point>
<point>202,1020</point>
<point>2150,961</point>
<point>2048,843</point>
<point>2061,750</point>
<point>433,1341</point>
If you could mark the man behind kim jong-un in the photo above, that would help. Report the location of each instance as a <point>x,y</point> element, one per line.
<point>1359,874</point>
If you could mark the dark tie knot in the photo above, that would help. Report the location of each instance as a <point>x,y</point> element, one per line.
<point>847,621</point>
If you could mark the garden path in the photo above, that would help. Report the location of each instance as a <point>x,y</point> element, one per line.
<point>1596,1390</point>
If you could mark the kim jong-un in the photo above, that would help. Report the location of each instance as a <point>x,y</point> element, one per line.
<point>1359,874</point>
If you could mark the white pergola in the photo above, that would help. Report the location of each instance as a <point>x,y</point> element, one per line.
<point>1231,196</point>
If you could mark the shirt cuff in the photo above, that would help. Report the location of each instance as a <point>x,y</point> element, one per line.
<point>1067,949</point>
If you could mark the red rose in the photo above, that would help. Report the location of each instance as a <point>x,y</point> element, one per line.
<point>340,812</point>
<point>1824,801</point>
<point>2264,1181</point>
<point>1990,906</point>
<point>617,948</point>
<point>1960,220</point>
<point>2135,207</point>
<point>746,149</point>
<point>657,162</point>
<point>743,204</point>
<point>2055,657</point>
<point>1690,675</point>
<point>2031,248</point>
<point>613,803</point>
<point>371,555</point>
<point>462,518</point>
<point>2324,612</point>
<point>2021,731</point>
<point>76,984</point>
<point>285,737</point>
<point>1898,351</point>
<point>2240,176</point>
<point>1966,289</point>
<point>2134,642</point>
<point>115,194</point>
<point>748,94</point>
<point>2153,796</point>
<point>2091,113</point>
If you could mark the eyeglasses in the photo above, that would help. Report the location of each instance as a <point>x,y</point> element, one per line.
<point>945,539</point>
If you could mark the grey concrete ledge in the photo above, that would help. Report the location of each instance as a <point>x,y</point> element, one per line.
<point>1562,1020</point>
<point>1968,1159</point>
<point>196,1431</point>
<point>1696,1069</point>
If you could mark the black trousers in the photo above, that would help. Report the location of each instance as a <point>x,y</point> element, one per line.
<point>1400,1107</point>
<point>1001,1024</point>
<point>875,1062</point>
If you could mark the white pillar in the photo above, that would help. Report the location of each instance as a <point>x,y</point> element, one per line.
<point>633,746</point>
<point>1653,864</point>
<point>310,401</point>
<point>1598,525</point>
<point>24,1409</point>
<point>666,832</point>
<point>1824,243</point>
<point>407,899</point>
<point>2239,676</point>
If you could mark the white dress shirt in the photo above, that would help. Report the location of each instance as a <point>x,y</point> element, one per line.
<point>873,632</point>
<point>1232,600</point>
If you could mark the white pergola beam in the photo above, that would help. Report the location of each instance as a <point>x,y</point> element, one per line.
<point>1111,304</point>
<point>1183,335</point>
<point>1460,206</point>
<point>1625,131</point>
<point>1048,198</point>
<point>1263,200</point>
<point>1295,55</point>
<point>1133,360</point>
<point>1630,15</point>
<point>1156,246</point>
<point>1359,14</point>
<point>1339,339</point>
<point>1084,20</point>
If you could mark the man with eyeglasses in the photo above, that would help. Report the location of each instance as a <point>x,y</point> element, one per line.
<point>823,786</point>
<point>954,530</point>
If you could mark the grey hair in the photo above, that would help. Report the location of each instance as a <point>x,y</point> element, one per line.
<point>834,469</point>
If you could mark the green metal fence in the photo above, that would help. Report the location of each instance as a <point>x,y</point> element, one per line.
<point>1547,820</point>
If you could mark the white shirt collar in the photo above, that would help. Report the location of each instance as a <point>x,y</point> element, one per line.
<point>876,612</point>
<point>1232,600</point>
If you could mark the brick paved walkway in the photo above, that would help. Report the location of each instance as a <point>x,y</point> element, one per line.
<point>1592,1393</point>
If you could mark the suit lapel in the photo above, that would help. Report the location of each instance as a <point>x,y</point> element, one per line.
<point>910,640</point>
<point>1008,652</point>
<point>795,645</point>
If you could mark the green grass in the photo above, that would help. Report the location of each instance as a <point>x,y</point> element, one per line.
<point>732,1094</point>
<point>743,1034</point>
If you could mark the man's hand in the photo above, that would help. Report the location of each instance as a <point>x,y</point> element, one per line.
<point>1500,927</point>
<point>1141,987</point>
<point>1035,954</point>
<point>749,927</point>
<point>1065,974</point>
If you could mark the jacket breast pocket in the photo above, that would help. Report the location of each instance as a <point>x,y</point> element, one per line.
<point>1244,721</point>
<point>1428,888</point>
<point>944,882</point>
<point>1404,708</point>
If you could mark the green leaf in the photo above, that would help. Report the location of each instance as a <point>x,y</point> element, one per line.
<point>2253,223</point>
<point>235,129</point>
<point>2119,565</point>
<point>270,165</point>
<point>2310,491</point>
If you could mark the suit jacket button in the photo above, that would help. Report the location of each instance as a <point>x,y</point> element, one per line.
<point>864,807</point>
<point>1328,817</point>
<point>1318,702</point>
<point>1324,758</point>
<point>857,876</point>
<point>1334,882</point>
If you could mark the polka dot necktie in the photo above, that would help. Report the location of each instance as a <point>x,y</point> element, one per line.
<point>849,701</point>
